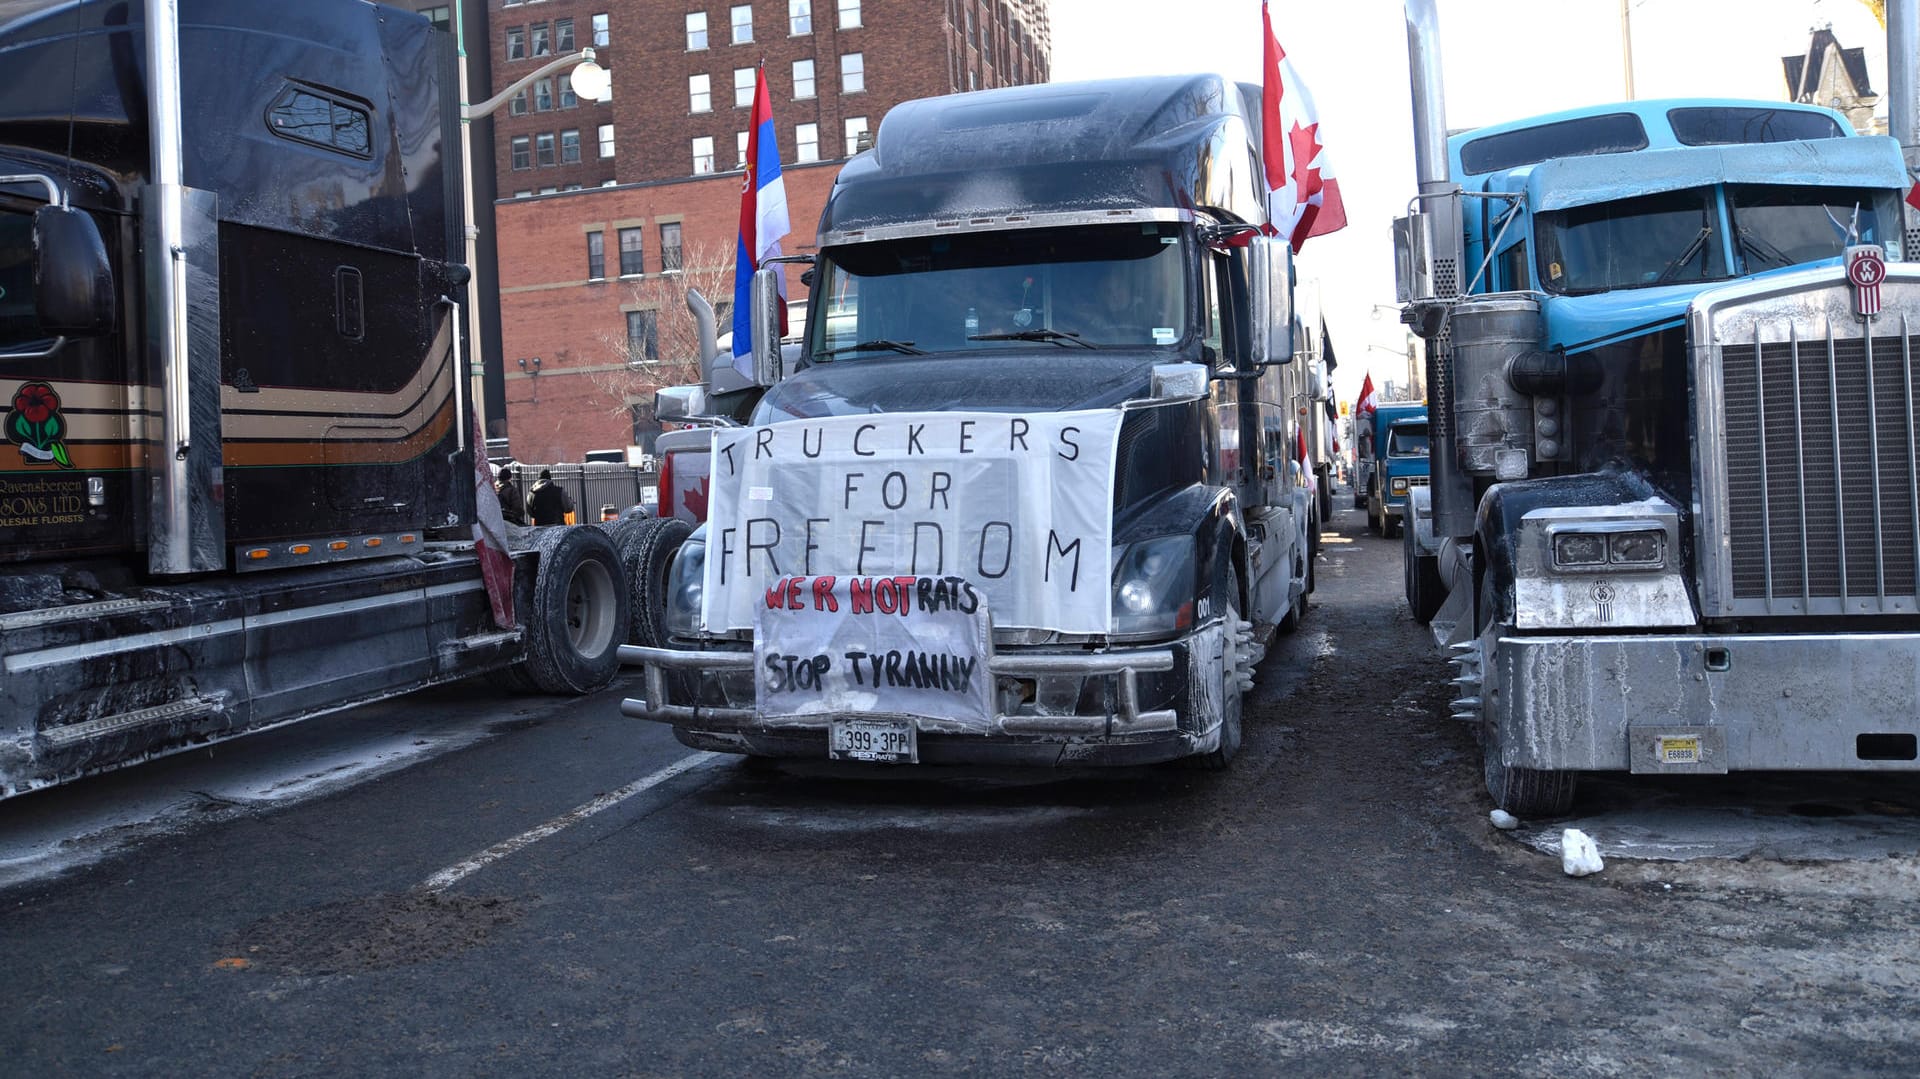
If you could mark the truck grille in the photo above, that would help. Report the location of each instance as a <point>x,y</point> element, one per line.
<point>1822,475</point>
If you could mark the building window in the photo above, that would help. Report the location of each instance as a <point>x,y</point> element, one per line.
<point>802,79</point>
<point>740,148</point>
<point>853,73</point>
<point>743,87</point>
<point>703,154</point>
<point>543,96</point>
<point>606,141</point>
<point>563,36</point>
<point>543,148</point>
<point>522,152</point>
<point>602,34</point>
<point>570,147</point>
<point>971,40</point>
<point>696,31</point>
<point>542,46</point>
<point>856,127</point>
<point>849,14</point>
<point>646,429</point>
<point>441,17</point>
<point>799,17</point>
<point>742,24</point>
<point>670,247</point>
<point>973,81</point>
<point>596,256</point>
<point>806,142</point>
<point>643,338</point>
<point>518,106</point>
<point>516,43</point>
<point>633,252</point>
<point>568,99</point>
<point>699,93</point>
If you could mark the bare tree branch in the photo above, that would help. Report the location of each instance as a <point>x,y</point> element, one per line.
<point>622,373</point>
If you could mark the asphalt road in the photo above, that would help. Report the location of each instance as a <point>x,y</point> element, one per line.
<point>1334,904</point>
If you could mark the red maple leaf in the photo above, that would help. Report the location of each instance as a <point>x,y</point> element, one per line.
<point>696,500</point>
<point>1305,144</point>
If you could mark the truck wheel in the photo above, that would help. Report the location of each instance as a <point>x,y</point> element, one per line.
<point>512,678</point>
<point>1326,498</point>
<point>1425,590</point>
<point>1232,665</point>
<point>1523,792</point>
<point>646,549</point>
<point>1373,518</point>
<point>1389,523</point>
<point>579,616</point>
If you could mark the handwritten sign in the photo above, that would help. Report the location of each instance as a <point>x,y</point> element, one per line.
<point>911,646</point>
<point>1018,506</point>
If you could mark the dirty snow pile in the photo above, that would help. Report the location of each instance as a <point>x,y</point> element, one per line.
<point>1578,854</point>
<point>1504,820</point>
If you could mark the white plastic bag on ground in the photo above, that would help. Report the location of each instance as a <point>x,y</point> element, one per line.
<point>1578,854</point>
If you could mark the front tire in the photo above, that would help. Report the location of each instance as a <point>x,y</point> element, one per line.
<point>1232,662</point>
<point>1523,792</point>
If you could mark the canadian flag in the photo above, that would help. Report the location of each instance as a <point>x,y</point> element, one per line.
<point>1300,444</point>
<point>1367,402</point>
<point>1303,198</point>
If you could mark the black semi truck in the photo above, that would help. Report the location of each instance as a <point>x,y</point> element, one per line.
<point>1043,421</point>
<point>238,423</point>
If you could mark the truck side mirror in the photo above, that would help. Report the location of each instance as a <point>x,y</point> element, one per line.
<point>680,404</point>
<point>72,279</point>
<point>1270,290</point>
<point>764,318</point>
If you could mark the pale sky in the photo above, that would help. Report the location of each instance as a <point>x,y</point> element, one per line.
<point>1504,59</point>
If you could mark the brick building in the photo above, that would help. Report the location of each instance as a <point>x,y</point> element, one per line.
<point>608,211</point>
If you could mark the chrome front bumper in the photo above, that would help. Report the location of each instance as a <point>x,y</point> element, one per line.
<point>1123,667</point>
<point>1752,702</point>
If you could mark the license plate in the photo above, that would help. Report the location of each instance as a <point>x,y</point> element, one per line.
<point>1679,751</point>
<point>890,741</point>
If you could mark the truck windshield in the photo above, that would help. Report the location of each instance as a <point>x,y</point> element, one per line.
<point>19,328</point>
<point>1108,286</point>
<point>1665,239</point>
<point>1409,441</point>
<point>1776,226</point>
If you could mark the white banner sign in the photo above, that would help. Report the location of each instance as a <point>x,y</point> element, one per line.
<point>1020,507</point>
<point>908,646</point>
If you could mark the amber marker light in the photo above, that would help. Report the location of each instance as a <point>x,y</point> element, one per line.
<point>373,541</point>
<point>337,545</point>
<point>257,553</point>
<point>300,548</point>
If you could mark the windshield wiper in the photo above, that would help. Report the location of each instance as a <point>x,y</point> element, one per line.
<point>1058,337</point>
<point>1698,245</point>
<point>1754,244</point>
<point>875,345</point>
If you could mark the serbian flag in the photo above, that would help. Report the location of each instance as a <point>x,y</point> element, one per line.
<point>763,221</point>
<point>1300,445</point>
<point>1303,198</point>
<point>490,535</point>
<point>1367,402</point>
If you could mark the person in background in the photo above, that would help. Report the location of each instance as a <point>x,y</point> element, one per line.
<point>513,506</point>
<point>548,503</point>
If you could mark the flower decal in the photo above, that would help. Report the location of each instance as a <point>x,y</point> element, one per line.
<point>35,425</point>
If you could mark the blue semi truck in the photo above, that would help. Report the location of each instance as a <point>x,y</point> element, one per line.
<point>1390,455</point>
<point>1674,519</point>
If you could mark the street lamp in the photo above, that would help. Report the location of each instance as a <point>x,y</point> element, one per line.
<point>591,83</point>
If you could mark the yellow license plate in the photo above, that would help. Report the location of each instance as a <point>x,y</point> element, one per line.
<point>1679,750</point>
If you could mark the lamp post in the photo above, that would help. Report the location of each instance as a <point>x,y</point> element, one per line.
<point>591,83</point>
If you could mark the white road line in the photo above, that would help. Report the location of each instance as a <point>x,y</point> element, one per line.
<point>453,874</point>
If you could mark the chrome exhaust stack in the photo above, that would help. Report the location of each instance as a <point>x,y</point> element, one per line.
<point>1428,244</point>
<point>1903,100</point>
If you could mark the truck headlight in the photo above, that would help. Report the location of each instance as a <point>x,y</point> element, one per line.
<point>1153,587</point>
<point>1398,485</point>
<point>1642,548</point>
<point>686,585</point>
